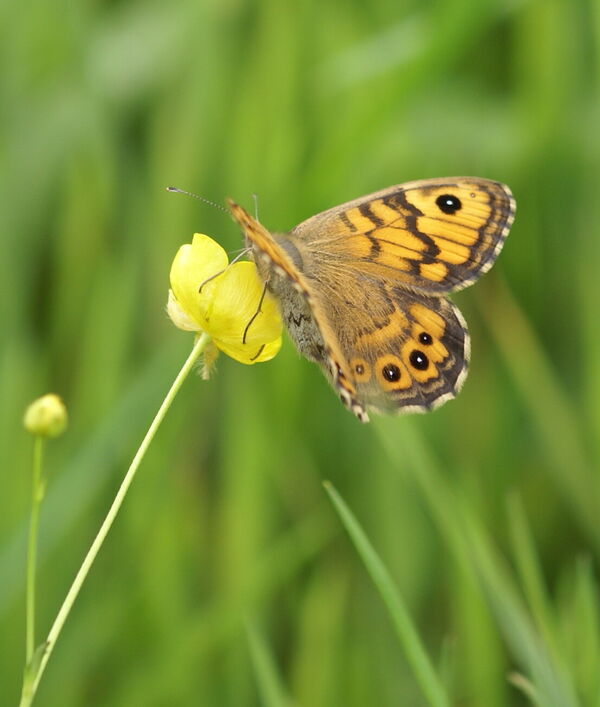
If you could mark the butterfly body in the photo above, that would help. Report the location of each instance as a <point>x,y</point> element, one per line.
<point>362,286</point>
<point>297,316</point>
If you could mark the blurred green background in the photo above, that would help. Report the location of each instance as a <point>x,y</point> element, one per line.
<point>228,579</point>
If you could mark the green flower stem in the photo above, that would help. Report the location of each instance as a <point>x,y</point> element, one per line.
<point>28,694</point>
<point>37,494</point>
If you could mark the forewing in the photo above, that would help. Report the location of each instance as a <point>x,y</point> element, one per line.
<point>431,236</point>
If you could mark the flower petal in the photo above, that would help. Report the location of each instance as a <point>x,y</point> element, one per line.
<point>249,355</point>
<point>179,317</point>
<point>194,264</point>
<point>234,324</point>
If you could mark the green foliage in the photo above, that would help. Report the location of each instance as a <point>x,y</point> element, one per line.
<point>484,513</point>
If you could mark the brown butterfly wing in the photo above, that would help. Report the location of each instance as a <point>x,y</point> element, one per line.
<point>388,349</point>
<point>432,236</point>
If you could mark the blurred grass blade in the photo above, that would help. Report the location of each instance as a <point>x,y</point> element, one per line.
<point>581,632</point>
<point>405,629</point>
<point>553,684</point>
<point>552,412</point>
<point>523,684</point>
<point>530,573</point>
<point>270,685</point>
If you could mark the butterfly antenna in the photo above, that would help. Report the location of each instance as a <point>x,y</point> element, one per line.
<point>241,254</point>
<point>255,199</point>
<point>200,198</point>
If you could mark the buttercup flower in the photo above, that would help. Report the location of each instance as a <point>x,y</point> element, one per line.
<point>228,306</point>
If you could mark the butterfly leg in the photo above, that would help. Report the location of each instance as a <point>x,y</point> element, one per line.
<point>212,277</point>
<point>208,279</point>
<point>258,311</point>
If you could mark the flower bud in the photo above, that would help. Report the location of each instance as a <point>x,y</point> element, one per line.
<point>46,416</point>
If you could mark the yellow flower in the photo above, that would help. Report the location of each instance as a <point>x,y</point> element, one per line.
<point>227,307</point>
<point>46,416</point>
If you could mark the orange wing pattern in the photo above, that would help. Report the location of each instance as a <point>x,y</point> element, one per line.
<point>434,236</point>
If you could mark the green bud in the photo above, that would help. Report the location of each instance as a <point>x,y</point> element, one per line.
<point>46,416</point>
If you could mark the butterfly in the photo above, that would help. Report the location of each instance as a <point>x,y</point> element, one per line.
<point>362,286</point>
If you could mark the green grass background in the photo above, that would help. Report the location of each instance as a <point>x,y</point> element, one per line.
<point>228,579</point>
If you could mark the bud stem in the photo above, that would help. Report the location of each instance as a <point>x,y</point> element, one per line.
<point>36,499</point>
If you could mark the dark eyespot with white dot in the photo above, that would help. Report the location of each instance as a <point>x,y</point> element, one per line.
<point>418,360</point>
<point>391,372</point>
<point>425,338</point>
<point>448,203</point>
<point>359,368</point>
